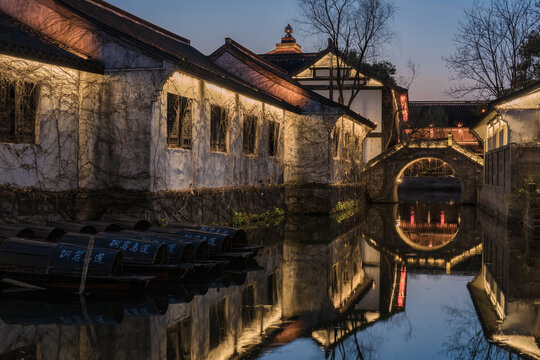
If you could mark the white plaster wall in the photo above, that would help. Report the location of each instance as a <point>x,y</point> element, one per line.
<point>199,167</point>
<point>524,124</point>
<point>347,164</point>
<point>372,148</point>
<point>368,103</point>
<point>50,163</point>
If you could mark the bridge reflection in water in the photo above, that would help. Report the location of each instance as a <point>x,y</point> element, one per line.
<point>350,289</point>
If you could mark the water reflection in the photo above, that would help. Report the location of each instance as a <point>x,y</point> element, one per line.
<point>387,283</point>
<point>427,226</point>
<point>506,292</point>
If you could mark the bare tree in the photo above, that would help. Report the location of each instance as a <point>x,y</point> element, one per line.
<point>357,30</point>
<point>488,57</point>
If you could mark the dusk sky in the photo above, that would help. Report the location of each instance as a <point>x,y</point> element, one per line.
<point>424,29</point>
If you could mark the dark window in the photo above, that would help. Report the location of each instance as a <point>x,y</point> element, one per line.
<point>249,134</point>
<point>218,128</point>
<point>18,109</point>
<point>248,305</point>
<point>347,143</point>
<point>179,340</point>
<point>334,283</point>
<point>218,323</point>
<point>335,142</point>
<point>273,138</point>
<point>178,121</point>
<point>271,290</point>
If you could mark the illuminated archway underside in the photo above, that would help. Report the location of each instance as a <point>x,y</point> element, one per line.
<point>428,167</point>
<point>427,237</point>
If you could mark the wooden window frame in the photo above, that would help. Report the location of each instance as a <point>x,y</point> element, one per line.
<point>19,103</point>
<point>273,138</point>
<point>249,134</point>
<point>179,121</point>
<point>219,128</point>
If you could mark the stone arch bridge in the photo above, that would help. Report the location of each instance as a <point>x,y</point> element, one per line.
<point>380,175</point>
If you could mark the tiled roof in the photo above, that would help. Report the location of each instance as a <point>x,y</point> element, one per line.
<point>296,63</point>
<point>280,76</point>
<point>446,113</point>
<point>17,39</point>
<point>534,86</point>
<point>165,44</point>
<point>292,62</point>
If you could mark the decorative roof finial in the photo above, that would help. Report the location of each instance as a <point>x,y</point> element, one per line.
<point>288,43</point>
<point>288,31</point>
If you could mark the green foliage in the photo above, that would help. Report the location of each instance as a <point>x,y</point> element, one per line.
<point>344,210</point>
<point>161,222</point>
<point>527,188</point>
<point>268,218</point>
<point>524,194</point>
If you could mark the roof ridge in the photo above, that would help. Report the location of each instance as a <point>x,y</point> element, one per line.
<point>129,16</point>
<point>230,41</point>
<point>37,46</point>
<point>44,37</point>
<point>283,74</point>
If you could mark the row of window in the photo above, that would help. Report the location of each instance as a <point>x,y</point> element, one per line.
<point>495,167</point>
<point>18,109</point>
<point>497,140</point>
<point>180,120</point>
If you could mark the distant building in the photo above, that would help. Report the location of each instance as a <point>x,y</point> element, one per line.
<point>437,119</point>
<point>380,101</point>
<point>510,132</point>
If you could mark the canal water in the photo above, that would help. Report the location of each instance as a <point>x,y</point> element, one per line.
<point>415,280</point>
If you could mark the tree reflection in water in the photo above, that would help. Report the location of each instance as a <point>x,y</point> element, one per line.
<point>468,340</point>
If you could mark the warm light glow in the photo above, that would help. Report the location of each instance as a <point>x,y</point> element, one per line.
<point>404,107</point>
<point>402,284</point>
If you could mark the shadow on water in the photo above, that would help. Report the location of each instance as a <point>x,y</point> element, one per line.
<point>387,282</point>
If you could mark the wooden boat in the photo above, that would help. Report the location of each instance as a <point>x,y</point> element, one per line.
<point>60,265</point>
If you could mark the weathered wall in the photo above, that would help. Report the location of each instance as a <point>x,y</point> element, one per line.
<point>176,168</point>
<point>319,198</point>
<point>52,162</point>
<point>347,163</point>
<point>505,201</point>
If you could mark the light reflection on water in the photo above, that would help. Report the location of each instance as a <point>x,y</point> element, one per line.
<point>390,282</point>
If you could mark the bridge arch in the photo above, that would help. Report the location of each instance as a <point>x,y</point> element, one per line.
<point>380,174</point>
<point>399,175</point>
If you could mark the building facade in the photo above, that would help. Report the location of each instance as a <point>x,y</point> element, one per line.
<point>511,137</point>
<point>435,120</point>
<point>382,102</point>
<point>100,99</point>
